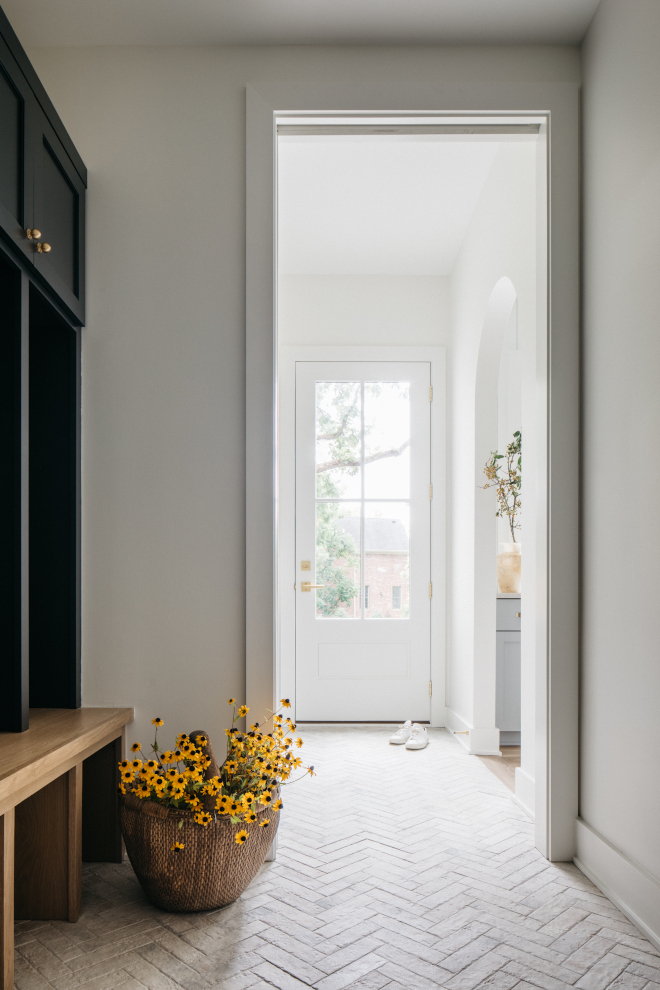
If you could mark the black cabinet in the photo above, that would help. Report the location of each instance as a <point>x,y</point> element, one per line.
<point>42,299</point>
<point>42,180</point>
<point>59,211</point>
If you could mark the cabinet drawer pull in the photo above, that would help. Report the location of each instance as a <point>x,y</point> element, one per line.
<point>518,615</point>
<point>43,248</point>
<point>33,234</point>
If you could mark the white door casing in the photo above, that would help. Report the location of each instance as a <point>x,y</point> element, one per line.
<point>288,561</point>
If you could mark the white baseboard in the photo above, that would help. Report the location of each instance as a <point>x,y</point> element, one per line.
<point>627,884</point>
<point>478,742</point>
<point>524,796</point>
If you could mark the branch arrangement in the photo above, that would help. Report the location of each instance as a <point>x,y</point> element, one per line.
<point>508,484</point>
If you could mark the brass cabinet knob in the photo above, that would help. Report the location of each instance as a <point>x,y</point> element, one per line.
<point>307,586</point>
<point>33,234</point>
<point>43,248</point>
<point>518,615</point>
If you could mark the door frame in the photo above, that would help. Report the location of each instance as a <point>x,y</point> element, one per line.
<point>285,564</point>
<point>557,577</point>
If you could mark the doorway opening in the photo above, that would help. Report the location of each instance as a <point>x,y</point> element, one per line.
<point>411,293</point>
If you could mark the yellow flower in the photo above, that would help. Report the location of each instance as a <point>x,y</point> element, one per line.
<point>285,703</point>
<point>177,847</point>
<point>255,726</point>
<point>152,765</point>
<point>232,701</point>
<point>157,722</point>
<point>166,757</point>
<point>192,800</point>
<point>143,790</point>
<point>250,817</point>
<point>310,771</point>
<point>241,837</point>
<point>234,806</point>
<point>122,789</point>
<point>266,798</point>
<point>203,818</point>
<point>201,740</point>
<point>135,747</point>
<point>127,775</point>
<point>277,805</point>
<point>265,823</point>
<point>136,764</point>
<point>230,766</point>
<point>243,710</point>
<point>299,743</point>
<point>172,773</point>
<point>124,765</point>
<point>221,804</point>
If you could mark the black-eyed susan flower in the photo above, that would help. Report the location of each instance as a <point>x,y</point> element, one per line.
<point>230,766</point>
<point>143,789</point>
<point>250,817</point>
<point>152,765</point>
<point>192,801</point>
<point>241,837</point>
<point>178,846</point>
<point>265,798</point>
<point>157,722</point>
<point>310,771</point>
<point>299,743</point>
<point>203,818</point>
<point>285,703</point>
<point>136,747</point>
<point>136,764</point>
<point>265,823</point>
<point>124,765</point>
<point>231,701</point>
<point>243,710</point>
<point>277,805</point>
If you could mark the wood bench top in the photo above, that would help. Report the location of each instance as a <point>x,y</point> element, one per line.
<point>58,739</point>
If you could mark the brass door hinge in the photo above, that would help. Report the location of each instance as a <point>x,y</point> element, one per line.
<point>430,393</point>
<point>430,590</point>
<point>430,491</point>
<point>430,689</point>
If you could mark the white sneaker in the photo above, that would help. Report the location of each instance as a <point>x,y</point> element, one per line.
<point>402,734</point>
<point>418,737</point>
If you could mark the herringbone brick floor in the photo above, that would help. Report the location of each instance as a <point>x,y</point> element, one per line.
<point>395,869</point>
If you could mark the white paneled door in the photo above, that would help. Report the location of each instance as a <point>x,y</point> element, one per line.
<point>363,538</point>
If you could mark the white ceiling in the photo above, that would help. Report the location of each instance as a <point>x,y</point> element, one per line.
<point>376,205</point>
<point>233,22</point>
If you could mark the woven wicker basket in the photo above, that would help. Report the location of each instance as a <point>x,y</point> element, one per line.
<point>210,871</point>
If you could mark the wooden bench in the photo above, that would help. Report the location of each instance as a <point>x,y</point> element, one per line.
<point>58,806</point>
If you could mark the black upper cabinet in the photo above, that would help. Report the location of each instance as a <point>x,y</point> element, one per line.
<point>42,179</point>
<point>59,213</point>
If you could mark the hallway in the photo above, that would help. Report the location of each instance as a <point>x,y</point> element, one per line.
<point>395,870</point>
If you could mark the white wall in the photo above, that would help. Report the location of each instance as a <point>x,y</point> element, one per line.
<point>500,244</point>
<point>162,131</point>
<point>363,309</point>
<point>620,691</point>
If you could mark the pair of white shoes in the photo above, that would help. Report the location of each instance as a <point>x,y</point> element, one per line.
<point>412,734</point>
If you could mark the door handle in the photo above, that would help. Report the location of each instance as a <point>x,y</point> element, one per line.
<point>307,586</point>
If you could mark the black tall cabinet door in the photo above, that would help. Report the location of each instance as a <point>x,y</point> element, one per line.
<point>17,111</point>
<point>59,214</point>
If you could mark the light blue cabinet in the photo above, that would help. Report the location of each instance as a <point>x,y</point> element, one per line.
<point>507,704</point>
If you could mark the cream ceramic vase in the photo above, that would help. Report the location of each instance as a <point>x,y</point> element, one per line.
<point>508,569</point>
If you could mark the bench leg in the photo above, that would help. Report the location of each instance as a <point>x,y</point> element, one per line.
<point>7,900</point>
<point>48,881</point>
